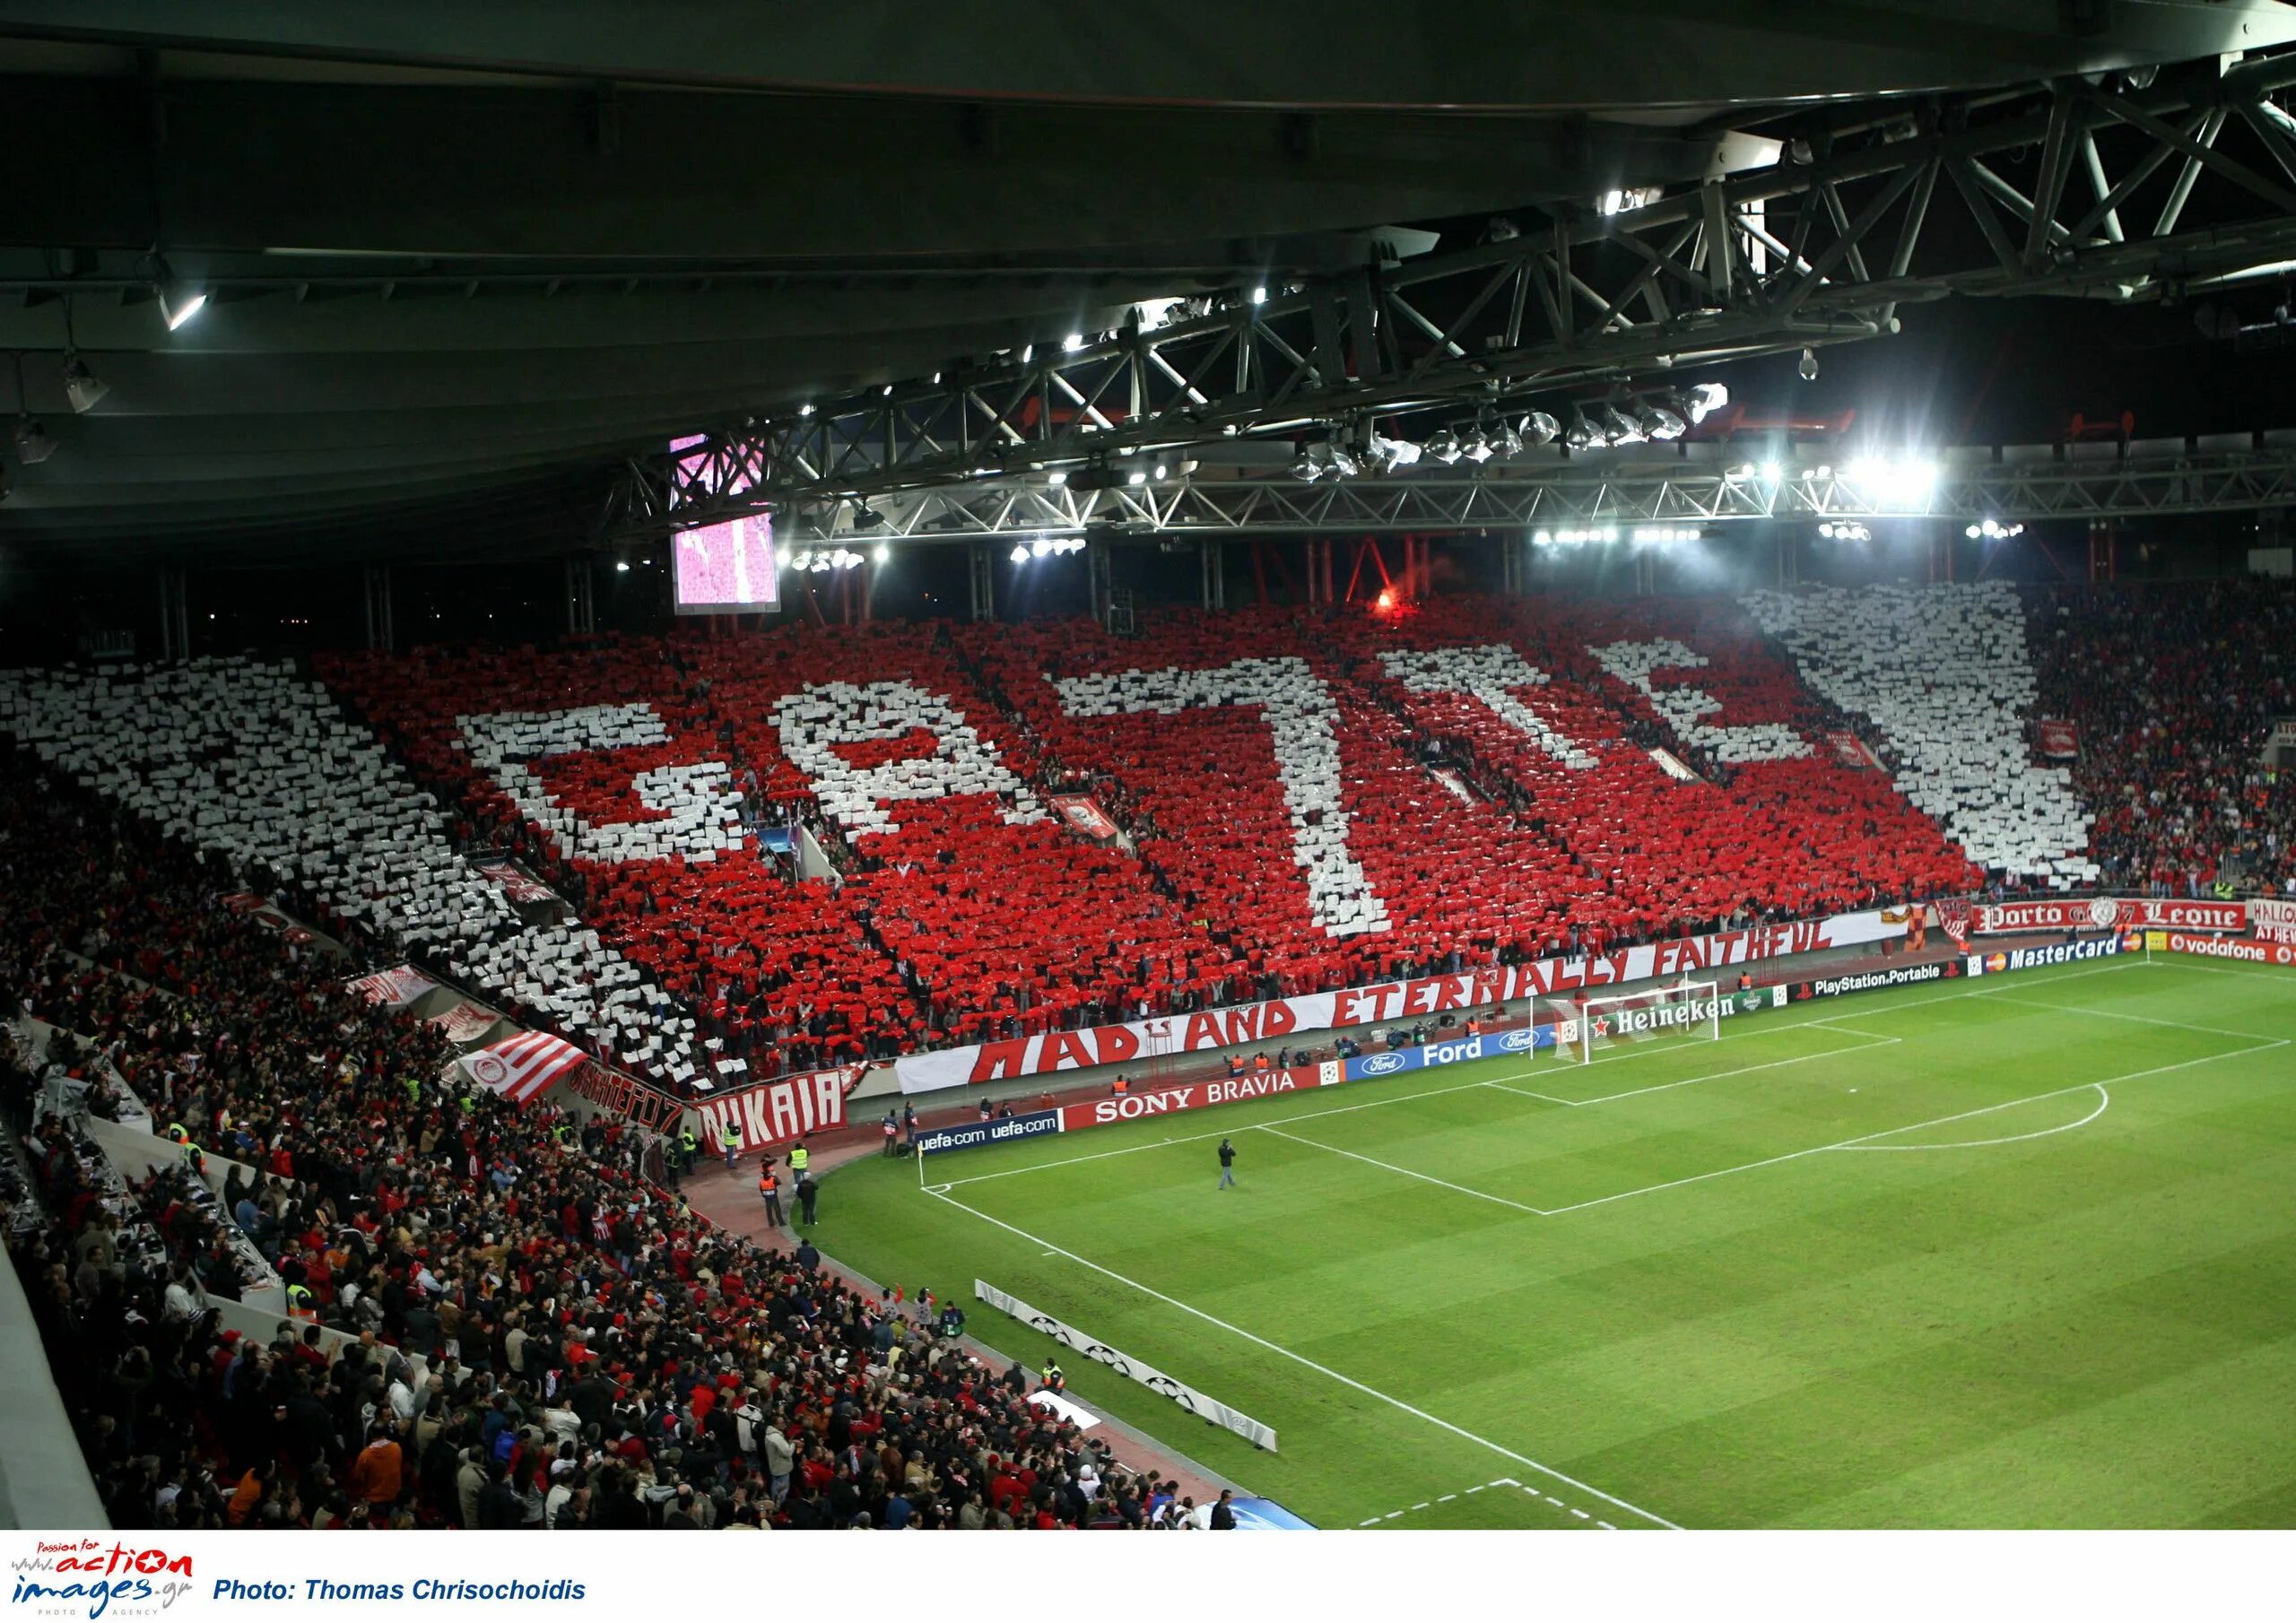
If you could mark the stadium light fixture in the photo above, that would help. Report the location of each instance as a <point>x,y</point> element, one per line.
<point>1072,343</point>
<point>1582,435</point>
<point>1618,429</point>
<point>1385,455</point>
<point>30,440</point>
<point>1057,478</point>
<point>1137,477</point>
<point>1657,421</point>
<point>1809,366</point>
<point>1475,446</point>
<point>880,553</point>
<point>81,387</point>
<point>1260,295</point>
<point>1702,400</point>
<point>1539,428</point>
<point>1443,446</point>
<point>1342,462</point>
<point>1020,555</point>
<point>1771,472</point>
<point>1506,442</point>
<point>179,303</point>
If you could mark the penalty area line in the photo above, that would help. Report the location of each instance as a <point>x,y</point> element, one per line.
<point>1350,1382</point>
<point>1865,1140</point>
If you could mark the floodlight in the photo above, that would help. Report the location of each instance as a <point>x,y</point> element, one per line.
<point>32,441</point>
<point>81,387</point>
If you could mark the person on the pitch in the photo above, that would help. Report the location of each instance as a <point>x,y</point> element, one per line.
<point>892,1134</point>
<point>768,1189</point>
<point>808,1191</point>
<point>729,1139</point>
<point>1227,1163</point>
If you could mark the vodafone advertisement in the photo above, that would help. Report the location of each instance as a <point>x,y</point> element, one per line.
<point>1196,1095</point>
<point>2105,913</point>
<point>2216,946</point>
<point>1139,1040</point>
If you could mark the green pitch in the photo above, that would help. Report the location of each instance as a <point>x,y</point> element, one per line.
<point>2003,1253</point>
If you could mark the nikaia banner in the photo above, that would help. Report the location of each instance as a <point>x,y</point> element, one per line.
<point>1470,989</point>
<point>774,1113</point>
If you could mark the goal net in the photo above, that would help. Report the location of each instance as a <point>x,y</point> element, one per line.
<point>1687,1012</point>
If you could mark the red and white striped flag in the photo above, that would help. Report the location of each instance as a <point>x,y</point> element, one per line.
<point>521,1066</point>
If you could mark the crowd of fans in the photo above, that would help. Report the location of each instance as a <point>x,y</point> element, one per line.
<point>961,915</point>
<point>2174,692</point>
<point>537,1335</point>
<point>499,1319</point>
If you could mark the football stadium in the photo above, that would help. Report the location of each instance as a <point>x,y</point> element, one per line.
<point>1009,770</point>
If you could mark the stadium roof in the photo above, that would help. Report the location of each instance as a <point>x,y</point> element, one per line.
<point>462,263</point>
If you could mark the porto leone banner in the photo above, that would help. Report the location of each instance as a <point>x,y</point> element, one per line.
<point>2107,913</point>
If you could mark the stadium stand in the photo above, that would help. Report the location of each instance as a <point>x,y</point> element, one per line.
<point>499,1317</point>
<point>1945,675</point>
<point>534,1333</point>
<point>2174,694</point>
<point>1279,830</point>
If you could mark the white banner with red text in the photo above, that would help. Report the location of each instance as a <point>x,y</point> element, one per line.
<point>2274,921</point>
<point>1196,1095</point>
<point>1144,1039</point>
<point>600,1088</point>
<point>2107,913</point>
<point>766,1113</point>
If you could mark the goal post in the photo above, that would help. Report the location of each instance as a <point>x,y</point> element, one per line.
<point>1682,1011</point>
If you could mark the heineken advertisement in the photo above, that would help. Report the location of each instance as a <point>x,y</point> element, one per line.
<point>1630,1021</point>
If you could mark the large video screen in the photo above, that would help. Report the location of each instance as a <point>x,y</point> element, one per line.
<point>725,569</point>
